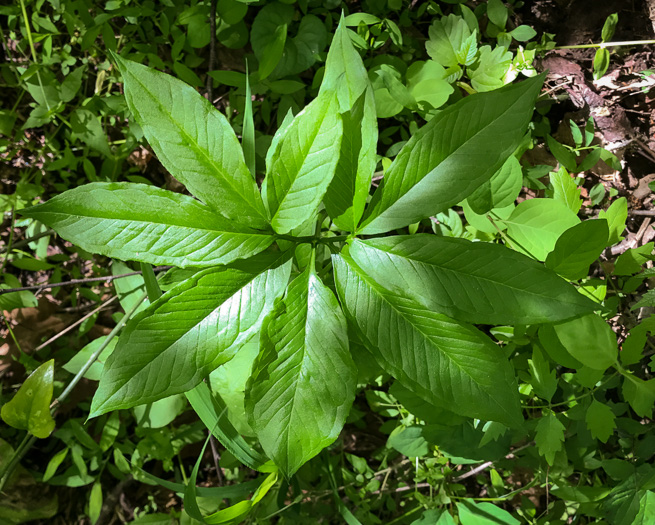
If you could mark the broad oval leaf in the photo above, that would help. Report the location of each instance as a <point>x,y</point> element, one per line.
<point>473,513</point>
<point>29,409</point>
<point>535,225</point>
<point>193,141</point>
<point>303,164</point>
<point>499,191</point>
<point>577,248</point>
<point>198,325</point>
<point>453,154</point>
<point>445,362</point>
<point>136,222</point>
<point>475,282</point>
<point>590,340</point>
<point>303,381</point>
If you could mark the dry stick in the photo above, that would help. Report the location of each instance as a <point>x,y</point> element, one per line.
<point>109,278</point>
<point>212,49</point>
<point>76,323</point>
<point>609,44</point>
<point>645,150</point>
<point>488,464</point>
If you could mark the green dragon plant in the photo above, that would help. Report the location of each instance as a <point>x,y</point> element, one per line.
<point>308,265</point>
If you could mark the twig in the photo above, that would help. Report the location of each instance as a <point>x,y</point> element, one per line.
<point>79,281</point>
<point>25,242</point>
<point>76,323</point>
<point>111,499</point>
<point>647,152</point>
<point>212,49</point>
<point>97,353</point>
<point>404,489</point>
<point>11,239</point>
<point>647,213</point>
<point>29,439</point>
<point>642,230</point>
<point>488,464</point>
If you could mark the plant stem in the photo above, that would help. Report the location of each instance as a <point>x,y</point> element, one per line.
<point>29,31</point>
<point>29,439</point>
<point>312,239</point>
<point>11,239</point>
<point>25,445</point>
<point>95,354</point>
<point>609,44</point>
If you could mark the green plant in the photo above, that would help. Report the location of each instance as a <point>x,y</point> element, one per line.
<point>572,441</point>
<point>406,300</point>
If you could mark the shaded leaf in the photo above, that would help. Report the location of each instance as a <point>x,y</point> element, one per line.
<point>590,340</point>
<point>29,409</point>
<point>549,437</point>
<point>500,191</point>
<point>445,362</point>
<point>544,380</point>
<point>473,513</point>
<point>600,421</point>
<point>640,394</point>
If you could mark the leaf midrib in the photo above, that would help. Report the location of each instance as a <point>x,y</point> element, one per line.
<point>383,296</point>
<point>305,154</point>
<point>456,272</point>
<point>196,147</point>
<point>167,349</point>
<point>399,198</point>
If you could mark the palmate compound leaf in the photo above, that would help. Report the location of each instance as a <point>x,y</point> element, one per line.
<point>303,381</point>
<point>445,362</point>
<point>136,222</point>
<point>193,141</point>
<point>453,154</point>
<point>197,326</point>
<point>475,282</point>
<point>303,163</point>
